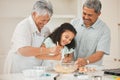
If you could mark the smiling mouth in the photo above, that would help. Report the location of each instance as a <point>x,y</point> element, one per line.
<point>65,43</point>
<point>87,20</point>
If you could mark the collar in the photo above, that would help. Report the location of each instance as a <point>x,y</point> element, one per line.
<point>34,28</point>
<point>93,26</point>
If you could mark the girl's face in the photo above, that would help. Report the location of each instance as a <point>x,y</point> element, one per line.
<point>66,37</point>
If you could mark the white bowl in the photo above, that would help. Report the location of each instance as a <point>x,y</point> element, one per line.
<point>33,73</point>
<point>65,67</point>
<point>42,68</point>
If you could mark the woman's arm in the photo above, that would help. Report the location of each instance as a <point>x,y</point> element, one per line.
<point>55,51</point>
<point>33,51</point>
<point>38,51</point>
<point>48,57</point>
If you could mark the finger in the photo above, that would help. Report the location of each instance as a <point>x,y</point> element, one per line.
<point>76,62</point>
<point>57,43</point>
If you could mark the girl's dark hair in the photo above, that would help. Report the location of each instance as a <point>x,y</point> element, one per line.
<point>57,33</point>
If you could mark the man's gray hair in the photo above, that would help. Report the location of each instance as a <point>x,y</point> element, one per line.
<point>93,4</point>
<point>43,7</point>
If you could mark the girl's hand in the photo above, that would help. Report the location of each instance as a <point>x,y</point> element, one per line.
<point>58,57</point>
<point>55,50</point>
<point>68,58</point>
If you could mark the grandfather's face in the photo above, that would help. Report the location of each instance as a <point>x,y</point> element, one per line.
<point>41,20</point>
<point>89,16</point>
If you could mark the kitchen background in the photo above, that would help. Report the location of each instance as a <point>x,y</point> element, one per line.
<point>13,11</point>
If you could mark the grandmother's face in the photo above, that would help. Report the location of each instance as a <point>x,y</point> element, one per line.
<point>40,20</point>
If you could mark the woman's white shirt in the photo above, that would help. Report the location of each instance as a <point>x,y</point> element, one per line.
<point>26,34</point>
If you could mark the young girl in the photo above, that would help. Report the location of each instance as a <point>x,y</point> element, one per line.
<point>62,37</point>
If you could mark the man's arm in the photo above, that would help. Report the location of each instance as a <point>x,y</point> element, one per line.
<point>91,59</point>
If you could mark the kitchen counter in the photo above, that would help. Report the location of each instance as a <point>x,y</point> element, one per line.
<point>52,75</point>
<point>20,76</point>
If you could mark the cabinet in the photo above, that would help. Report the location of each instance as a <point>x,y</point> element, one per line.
<point>110,13</point>
<point>119,37</point>
<point>118,12</point>
<point>119,24</point>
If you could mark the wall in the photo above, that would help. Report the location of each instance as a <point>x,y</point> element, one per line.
<point>110,14</point>
<point>7,26</point>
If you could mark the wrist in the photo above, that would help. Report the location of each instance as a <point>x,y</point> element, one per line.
<point>87,61</point>
<point>51,52</point>
<point>40,50</point>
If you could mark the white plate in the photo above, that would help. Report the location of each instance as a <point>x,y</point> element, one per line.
<point>32,74</point>
<point>97,67</point>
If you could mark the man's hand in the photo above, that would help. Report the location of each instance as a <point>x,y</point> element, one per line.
<point>81,62</point>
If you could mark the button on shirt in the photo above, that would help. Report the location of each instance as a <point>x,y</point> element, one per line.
<point>26,34</point>
<point>91,39</point>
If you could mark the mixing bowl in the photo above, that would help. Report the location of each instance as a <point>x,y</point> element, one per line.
<point>62,67</point>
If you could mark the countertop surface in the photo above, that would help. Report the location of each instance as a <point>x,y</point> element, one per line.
<point>20,76</point>
<point>52,75</point>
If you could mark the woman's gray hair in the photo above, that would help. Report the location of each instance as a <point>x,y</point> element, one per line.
<point>43,7</point>
<point>93,4</point>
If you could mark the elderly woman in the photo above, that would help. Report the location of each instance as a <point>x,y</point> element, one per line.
<point>27,39</point>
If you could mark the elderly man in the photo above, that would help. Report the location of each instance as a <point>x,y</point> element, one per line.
<point>93,35</point>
